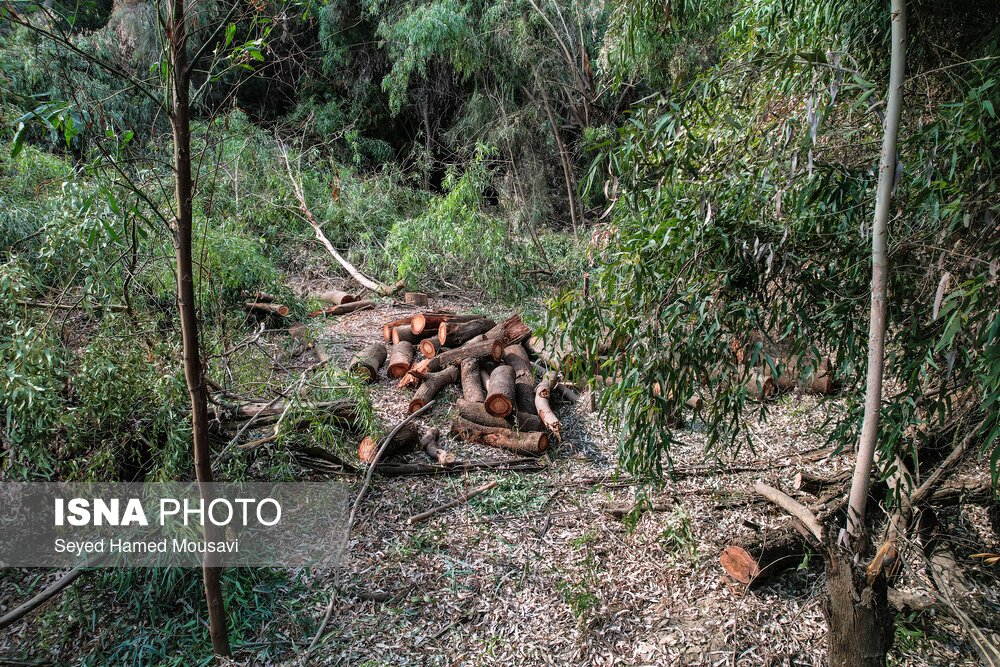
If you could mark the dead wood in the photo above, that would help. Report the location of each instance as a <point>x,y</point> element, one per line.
<point>472,384</point>
<point>336,297</point>
<point>431,385</point>
<point>405,333</point>
<point>500,391</point>
<point>405,439</point>
<point>429,441</point>
<point>415,298</point>
<point>455,334</point>
<point>343,309</point>
<point>476,413</point>
<point>429,347</point>
<point>367,363</point>
<point>373,285</point>
<point>400,359</point>
<point>473,350</point>
<point>267,308</point>
<point>514,441</point>
<point>459,467</point>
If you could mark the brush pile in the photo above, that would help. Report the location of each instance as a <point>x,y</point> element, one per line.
<point>504,402</point>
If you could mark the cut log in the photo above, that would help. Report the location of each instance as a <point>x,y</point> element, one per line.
<point>415,298</point>
<point>455,334</point>
<point>760,386</point>
<point>472,384</point>
<point>367,363</point>
<point>500,393</point>
<point>510,331</point>
<point>389,326</point>
<point>483,349</point>
<point>758,561</point>
<point>267,308</point>
<point>400,359</point>
<point>815,485</point>
<point>264,297</point>
<point>405,333</point>
<point>432,320</point>
<point>503,438</point>
<point>434,383</point>
<point>429,347</point>
<point>459,467</point>
<point>406,439</point>
<point>516,357</point>
<point>547,416</point>
<point>336,297</point>
<point>819,382</point>
<point>417,373</point>
<point>476,413</point>
<point>429,441</point>
<point>343,309</point>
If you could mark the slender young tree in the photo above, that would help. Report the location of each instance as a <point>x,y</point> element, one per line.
<point>853,536</point>
<point>194,371</point>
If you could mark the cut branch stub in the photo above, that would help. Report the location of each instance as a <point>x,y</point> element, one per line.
<point>500,393</point>
<point>367,363</point>
<point>400,359</point>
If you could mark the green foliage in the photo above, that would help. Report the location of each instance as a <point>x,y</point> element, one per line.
<point>740,211</point>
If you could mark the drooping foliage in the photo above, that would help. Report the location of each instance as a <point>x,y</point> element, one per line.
<point>738,231</point>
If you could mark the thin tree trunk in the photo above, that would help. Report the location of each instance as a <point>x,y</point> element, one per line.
<point>180,121</point>
<point>852,537</point>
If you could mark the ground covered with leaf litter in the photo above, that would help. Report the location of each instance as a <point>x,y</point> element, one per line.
<point>555,567</point>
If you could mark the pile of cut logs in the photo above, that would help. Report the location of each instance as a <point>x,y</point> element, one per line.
<point>502,404</point>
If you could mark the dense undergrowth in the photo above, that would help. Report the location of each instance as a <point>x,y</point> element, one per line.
<point>709,169</point>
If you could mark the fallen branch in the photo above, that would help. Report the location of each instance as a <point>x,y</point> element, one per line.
<point>377,287</point>
<point>423,516</point>
<point>343,308</point>
<point>43,596</point>
<point>793,507</point>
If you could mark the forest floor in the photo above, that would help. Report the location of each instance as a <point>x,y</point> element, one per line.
<point>544,569</point>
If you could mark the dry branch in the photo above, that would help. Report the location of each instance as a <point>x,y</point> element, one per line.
<point>416,518</point>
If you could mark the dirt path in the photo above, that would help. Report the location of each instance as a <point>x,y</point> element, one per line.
<point>537,572</point>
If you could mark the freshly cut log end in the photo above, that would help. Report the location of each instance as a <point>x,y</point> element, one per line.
<point>389,326</point>
<point>739,564</point>
<point>472,384</point>
<point>455,334</point>
<point>366,363</point>
<point>267,308</point>
<point>415,298</point>
<point>500,395</point>
<point>336,297</point>
<point>431,320</point>
<point>406,439</point>
<point>430,387</point>
<point>429,347</point>
<point>476,413</point>
<point>515,441</point>
<point>400,359</point>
